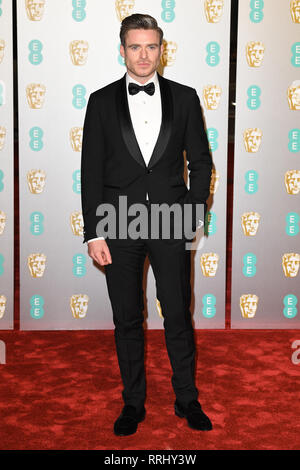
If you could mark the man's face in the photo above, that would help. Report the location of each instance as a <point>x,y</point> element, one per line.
<point>142,53</point>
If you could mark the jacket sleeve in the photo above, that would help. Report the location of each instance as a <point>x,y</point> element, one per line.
<point>92,158</point>
<point>197,154</point>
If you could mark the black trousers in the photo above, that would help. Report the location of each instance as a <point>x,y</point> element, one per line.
<point>171,265</point>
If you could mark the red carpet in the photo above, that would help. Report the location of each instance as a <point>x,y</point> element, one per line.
<point>61,390</point>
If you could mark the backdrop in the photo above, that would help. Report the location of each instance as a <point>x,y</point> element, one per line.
<point>266,240</point>
<point>66,50</point>
<point>6,168</point>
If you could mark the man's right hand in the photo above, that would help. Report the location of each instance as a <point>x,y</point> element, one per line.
<point>99,251</point>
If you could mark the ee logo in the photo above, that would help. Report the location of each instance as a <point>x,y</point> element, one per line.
<point>290,310</point>
<point>79,262</point>
<point>76,182</point>
<point>251,178</point>
<point>249,267</point>
<point>295,59</point>
<point>294,140</point>
<point>78,13</point>
<point>256,13</point>
<point>209,305</point>
<point>212,49</point>
<point>292,224</point>
<point>36,223</point>
<point>37,304</point>
<point>168,14</point>
<point>212,135</point>
<point>253,93</point>
<point>1,264</point>
<point>36,135</point>
<point>79,92</point>
<point>35,56</point>
<point>210,226</point>
<point>1,181</point>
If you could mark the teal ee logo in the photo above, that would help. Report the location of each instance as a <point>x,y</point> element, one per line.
<point>295,59</point>
<point>294,140</point>
<point>254,93</point>
<point>121,60</point>
<point>79,92</point>
<point>209,305</point>
<point>1,8</point>
<point>249,265</point>
<point>78,13</point>
<point>256,13</point>
<point>76,181</point>
<point>290,310</point>
<point>213,57</point>
<point>212,136</point>
<point>35,56</point>
<point>36,307</point>
<point>36,135</point>
<point>1,264</point>
<point>79,262</point>
<point>1,181</point>
<point>251,178</point>
<point>36,223</point>
<point>210,225</point>
<point>168,14</point>
<point>292,224</point>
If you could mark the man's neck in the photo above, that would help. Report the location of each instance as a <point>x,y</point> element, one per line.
<point>141,80</point>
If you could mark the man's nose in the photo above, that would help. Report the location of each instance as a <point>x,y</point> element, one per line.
<point>144,52</point>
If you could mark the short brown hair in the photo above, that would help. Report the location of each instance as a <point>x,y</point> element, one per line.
<point>139,21</point>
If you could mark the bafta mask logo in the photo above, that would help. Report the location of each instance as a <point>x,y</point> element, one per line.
<point>79,52</point>
<point>2,305</point>
<point>248,305</point>
<point>76,138</point>
<point>295,10</point>
<point>2,136</point>
<point>2,47</point>
<point>290,264</point>
<point>250,223</point>
<point>79,305</point>
<point>214,181</point>
<point>2,221</point>
<point>158,308</point>
<point>35,9</point>
<point>35,93</point>
<point>36,263</point>
<point>212,96</point>
<point>124,8</point>
<point>169,53</point>
<point>292,181</point>
<point>255,51</point>
<point>252,139</point>
<point>36,181</point>
<point>213,10</point>
<point>76,221</point>
<point>209,264</point>
<point>293,96</point>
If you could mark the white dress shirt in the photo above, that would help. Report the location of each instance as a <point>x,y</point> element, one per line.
<point>145,112</point>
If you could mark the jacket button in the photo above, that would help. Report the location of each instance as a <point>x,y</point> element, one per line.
<point>149,171</point>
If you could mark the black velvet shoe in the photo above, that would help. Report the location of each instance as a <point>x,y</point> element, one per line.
<point>128,421</point>
<point>196,418</point>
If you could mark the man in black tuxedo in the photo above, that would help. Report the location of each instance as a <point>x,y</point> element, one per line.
<point>135,132</point>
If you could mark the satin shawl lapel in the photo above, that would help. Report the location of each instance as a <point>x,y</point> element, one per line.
<point>166,121</point>
<point>127,128</point>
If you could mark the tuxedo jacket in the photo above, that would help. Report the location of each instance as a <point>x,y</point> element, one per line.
<point>112,163</point>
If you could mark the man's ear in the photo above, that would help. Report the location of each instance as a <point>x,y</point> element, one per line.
<point>122,51</point>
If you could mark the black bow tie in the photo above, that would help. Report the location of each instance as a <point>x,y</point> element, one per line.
<point>133,88</point>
